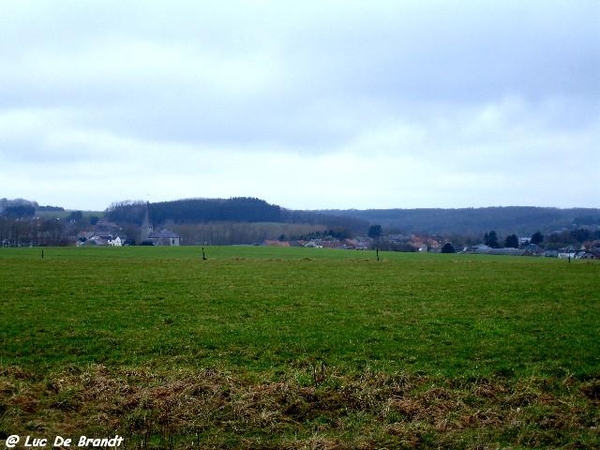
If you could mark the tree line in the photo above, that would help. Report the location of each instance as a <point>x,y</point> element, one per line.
<point>520,220</point>
<point>32,231</point>
<point>236,209</point>
<point>243,220</point>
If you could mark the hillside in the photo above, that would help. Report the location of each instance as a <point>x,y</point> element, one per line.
<point>522,220</point>
<point>238,209</point>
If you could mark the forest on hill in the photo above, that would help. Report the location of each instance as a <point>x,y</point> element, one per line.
<point>237,209</point>
<point>522,220</point>
<point>198,218</point>
<point>243,220</point>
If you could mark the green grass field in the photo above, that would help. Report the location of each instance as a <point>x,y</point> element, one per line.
<point>299,348</point>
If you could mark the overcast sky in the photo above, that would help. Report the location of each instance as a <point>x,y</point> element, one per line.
<point>305,104</point>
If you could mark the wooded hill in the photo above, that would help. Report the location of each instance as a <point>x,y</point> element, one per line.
<point>238,209</point>
<point>522,220</point>
<point>250,220</point>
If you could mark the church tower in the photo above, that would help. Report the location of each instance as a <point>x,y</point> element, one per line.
<point>147,228</point>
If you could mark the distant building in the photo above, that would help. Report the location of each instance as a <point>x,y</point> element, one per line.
<point>164,237</point>
<point>104,233</point>
<point>533,250</point>
<point>147,228</point>
<point>116,242</point>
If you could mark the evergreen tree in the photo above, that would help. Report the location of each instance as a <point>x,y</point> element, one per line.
<point>491,239</point>
<point>374,231</point>
<point>537,238</point>
<point>448,248</point>
<point>511,241</point>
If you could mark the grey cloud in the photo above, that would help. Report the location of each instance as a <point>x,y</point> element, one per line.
<point>430,83</point>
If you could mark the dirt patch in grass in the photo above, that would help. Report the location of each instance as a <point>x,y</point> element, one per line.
<point>218,409</point>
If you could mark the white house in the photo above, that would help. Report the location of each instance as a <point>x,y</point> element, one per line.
<point>116,242</point>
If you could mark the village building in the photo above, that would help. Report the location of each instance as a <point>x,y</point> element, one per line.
<point>164,237</point>
<point>103,234</point>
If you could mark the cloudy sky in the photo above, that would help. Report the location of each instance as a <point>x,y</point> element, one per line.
<point>306,104</point>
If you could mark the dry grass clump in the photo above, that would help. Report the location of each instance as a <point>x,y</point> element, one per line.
<point>217,409</point>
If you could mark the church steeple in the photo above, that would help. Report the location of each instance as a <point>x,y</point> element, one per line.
<point>147,228</point>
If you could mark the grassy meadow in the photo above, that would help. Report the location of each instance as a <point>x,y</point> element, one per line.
<point>261,347</point>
